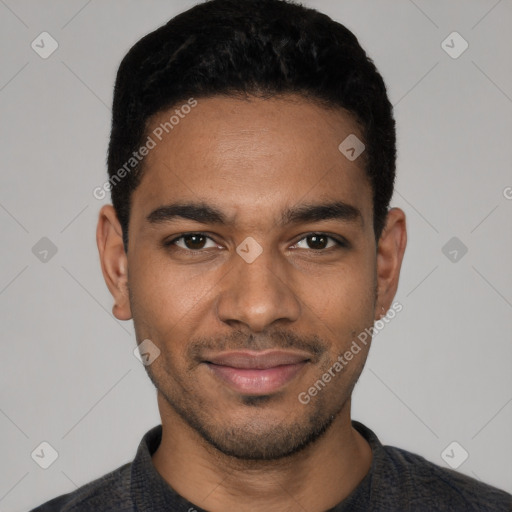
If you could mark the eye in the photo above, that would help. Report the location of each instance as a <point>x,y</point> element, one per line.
<point>196,242</point>
<point>192,242</point>
<point>320,241</point>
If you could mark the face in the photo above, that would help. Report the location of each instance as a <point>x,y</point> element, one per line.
<point>252,265</point>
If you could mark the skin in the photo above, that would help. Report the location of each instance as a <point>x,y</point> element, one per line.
<point>220,449</point>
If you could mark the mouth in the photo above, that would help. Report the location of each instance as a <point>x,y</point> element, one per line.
<point>257,373</point>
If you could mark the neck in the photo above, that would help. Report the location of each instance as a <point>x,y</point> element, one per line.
<point>315,479</point>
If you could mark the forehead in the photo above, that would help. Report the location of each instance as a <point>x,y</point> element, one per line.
<point>250,156</point>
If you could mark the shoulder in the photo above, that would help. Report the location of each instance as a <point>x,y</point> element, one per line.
<point>110,492</point>
<point>428,486</point>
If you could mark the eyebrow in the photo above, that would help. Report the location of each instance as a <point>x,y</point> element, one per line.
<point>304,213</point>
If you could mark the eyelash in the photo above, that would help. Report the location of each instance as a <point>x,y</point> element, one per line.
<point>340,242</point>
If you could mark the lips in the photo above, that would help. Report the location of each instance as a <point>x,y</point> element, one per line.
<point>257,373</point>
<point>258,360</point>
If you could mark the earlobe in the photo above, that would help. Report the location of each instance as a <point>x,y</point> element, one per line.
<point>114,262</point>
<point>390,253</point>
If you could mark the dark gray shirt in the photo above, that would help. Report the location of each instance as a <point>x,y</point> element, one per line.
<point>397,481</point>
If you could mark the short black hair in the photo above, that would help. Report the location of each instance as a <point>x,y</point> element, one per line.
<point>238,48</point>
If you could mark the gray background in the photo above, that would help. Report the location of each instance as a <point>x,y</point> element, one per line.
<point>439,372</point>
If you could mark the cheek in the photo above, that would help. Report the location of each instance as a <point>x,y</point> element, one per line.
<point>167,292</point>
<point>342,295</point>
<point>169,306</point>
<point>344,309</point>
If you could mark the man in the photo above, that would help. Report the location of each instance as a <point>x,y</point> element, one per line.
<point>251,164</point>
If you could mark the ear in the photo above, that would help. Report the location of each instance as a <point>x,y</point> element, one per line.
<point>114,262</point>
<point>390,252</point>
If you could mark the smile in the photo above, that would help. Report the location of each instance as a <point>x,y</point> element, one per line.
<point>257,373</point>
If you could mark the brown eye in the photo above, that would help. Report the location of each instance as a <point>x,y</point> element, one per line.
<point>192,242</point>
<point>319,241</point>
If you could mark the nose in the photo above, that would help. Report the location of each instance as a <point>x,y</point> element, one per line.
<point>258,294</point>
